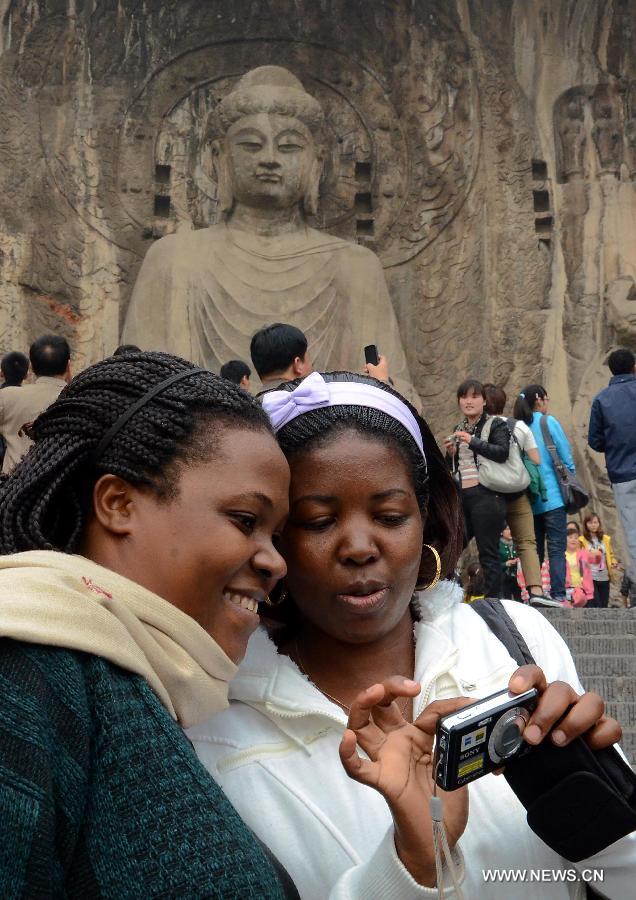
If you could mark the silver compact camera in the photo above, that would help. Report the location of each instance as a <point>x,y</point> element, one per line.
<point>482,737</point>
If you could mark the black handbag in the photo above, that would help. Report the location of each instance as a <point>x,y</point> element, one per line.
<point>575,497</point>
<point>578,801</point>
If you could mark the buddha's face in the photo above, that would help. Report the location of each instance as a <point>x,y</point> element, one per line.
<point>271,160</point>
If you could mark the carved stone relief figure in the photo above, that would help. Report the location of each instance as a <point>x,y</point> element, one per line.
<point>572,138</point>
<point>630,130</point>
<point>607,132</point>
<point>202,294</point>
<point>621,309</point>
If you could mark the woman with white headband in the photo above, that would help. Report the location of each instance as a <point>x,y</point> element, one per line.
<point>369,637</point>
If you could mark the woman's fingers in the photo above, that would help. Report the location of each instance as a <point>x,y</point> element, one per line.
<point>568,716</point>
<point>527,677</point>
<point>584,715</point>
<point>429,717</point>
<point>560,708</point>
<point>376,703</point>
<point>552,706</point>
<point>374,714</point>
<point>357,768</point>
<point>606,732</point>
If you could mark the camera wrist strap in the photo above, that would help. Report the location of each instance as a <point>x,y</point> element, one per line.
<point>441,849</point>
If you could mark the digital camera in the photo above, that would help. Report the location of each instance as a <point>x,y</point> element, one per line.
<point>482,737</point>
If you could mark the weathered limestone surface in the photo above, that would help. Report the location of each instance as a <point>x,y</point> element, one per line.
<point>484,150</point>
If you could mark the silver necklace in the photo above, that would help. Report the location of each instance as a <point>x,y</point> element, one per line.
<point>402,702</point>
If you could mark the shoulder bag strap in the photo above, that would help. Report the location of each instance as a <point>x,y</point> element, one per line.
<point>486,426</point>
<point>549,442</point>
<point>512,424</point>
<point>497,619</point>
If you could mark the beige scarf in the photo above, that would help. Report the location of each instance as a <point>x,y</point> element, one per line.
<point>68,601</point>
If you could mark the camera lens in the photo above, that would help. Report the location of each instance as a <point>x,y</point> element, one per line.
<point>506,736</point>
<point>510,739</point>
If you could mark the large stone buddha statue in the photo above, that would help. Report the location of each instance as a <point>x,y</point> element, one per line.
<point>202,294</point>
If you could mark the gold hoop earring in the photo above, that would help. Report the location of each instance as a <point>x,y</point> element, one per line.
<point>438,569</point>
<point>283,596</point>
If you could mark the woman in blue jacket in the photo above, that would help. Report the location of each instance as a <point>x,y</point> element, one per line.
<point>549,515</point>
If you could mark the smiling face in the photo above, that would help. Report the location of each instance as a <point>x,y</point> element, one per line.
<point>209,551</point>
<point>271,159</point>
<point>472,405</point>
<point>353,542</point>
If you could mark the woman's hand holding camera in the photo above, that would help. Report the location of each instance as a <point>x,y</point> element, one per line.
<point>559,705</point>
<point>400,764</point>
<point>464,436</point>
<point>400,767</point>
<point>450,445</point>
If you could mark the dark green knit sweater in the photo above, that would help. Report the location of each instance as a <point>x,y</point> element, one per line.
<point>101,794</point>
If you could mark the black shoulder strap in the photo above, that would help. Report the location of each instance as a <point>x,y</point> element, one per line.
<point>497,619</point>
<point>512,424</point>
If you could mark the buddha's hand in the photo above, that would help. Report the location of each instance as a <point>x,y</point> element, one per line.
<point>400,767</point>
<point>563,714</point>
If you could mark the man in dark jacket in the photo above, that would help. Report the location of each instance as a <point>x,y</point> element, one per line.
<point>612,431</point>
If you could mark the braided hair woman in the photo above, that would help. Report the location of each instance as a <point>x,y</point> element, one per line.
<point>371,651</point>
<point>137,540</point>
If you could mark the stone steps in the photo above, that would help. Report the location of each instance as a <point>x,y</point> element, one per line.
<point>604,664</point>
<point>603,644</point>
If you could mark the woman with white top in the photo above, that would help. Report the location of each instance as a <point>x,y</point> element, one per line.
<point>374,521</point>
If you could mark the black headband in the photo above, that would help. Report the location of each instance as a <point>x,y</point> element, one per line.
<point>130,412</point>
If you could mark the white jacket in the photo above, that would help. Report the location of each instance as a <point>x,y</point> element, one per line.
<point>275,753</point>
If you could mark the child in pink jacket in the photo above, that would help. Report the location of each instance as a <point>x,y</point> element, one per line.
<point>579,585</point>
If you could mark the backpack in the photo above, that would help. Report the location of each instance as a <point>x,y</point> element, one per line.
<point>508,477</point>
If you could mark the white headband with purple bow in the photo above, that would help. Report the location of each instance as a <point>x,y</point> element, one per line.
<point>314,392</point>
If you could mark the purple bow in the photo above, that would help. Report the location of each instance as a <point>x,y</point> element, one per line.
<point>283,406</point>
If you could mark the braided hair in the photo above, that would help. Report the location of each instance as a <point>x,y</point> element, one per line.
<point>434,487</point>
<point>46,501</point>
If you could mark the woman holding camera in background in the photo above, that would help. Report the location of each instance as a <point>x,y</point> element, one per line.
<point>371,644</point>
<point>484,509</point>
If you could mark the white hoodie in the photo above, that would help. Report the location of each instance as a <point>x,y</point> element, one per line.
<point>275,753</point>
